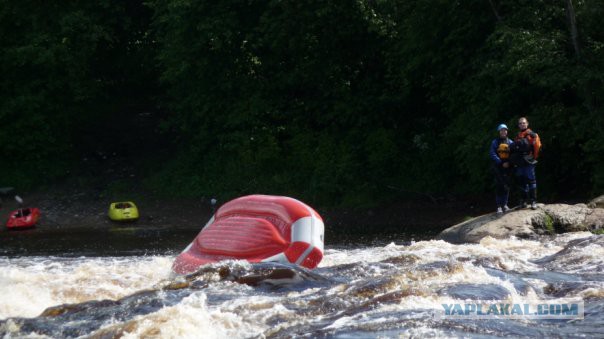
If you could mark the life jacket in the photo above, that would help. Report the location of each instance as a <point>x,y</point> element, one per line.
<point>527,143</point>
<point>503,150</point>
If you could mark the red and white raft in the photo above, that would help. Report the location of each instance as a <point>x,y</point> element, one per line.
<point>23,218</point>
<point>257,228</point>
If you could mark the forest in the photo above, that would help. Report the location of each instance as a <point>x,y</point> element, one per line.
<point>340,103</point>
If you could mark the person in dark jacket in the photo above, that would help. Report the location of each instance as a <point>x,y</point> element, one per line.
<point>502,170</point>
<point>525,152</point>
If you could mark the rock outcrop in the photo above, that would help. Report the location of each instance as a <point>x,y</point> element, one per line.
<point>527,223</point>
<point>597,202</point>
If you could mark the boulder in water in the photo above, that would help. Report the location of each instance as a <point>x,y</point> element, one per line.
<point>596,202</point>
<point>527,223</point>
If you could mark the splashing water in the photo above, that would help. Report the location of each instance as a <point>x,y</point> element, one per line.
<point>386,291</point>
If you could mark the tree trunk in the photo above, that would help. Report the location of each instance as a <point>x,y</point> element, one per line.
<point>574,33</point>
<point>494,8</point>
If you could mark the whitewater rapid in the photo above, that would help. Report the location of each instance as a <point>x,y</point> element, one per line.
<point>357,291</point>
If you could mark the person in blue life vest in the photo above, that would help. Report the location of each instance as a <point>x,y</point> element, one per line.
<point>502,170</point>
<point>523,156</point>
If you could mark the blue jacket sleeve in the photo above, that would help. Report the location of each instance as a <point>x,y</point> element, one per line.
<point>493,152</point>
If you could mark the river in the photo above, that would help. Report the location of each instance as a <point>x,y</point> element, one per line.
<point>117,283</point>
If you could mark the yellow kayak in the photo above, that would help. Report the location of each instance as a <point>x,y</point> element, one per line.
<point>123,211</point>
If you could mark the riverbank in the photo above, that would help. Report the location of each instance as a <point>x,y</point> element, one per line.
<point>70,207</point>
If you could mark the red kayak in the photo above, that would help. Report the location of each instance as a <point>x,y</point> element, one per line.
<point>257,228</point>
<point>23,218</point>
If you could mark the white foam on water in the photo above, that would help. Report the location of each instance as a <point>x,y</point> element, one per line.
<point>10,328</point>
<point>581,258</point>
<point>29,285</point>
<point>566,237</point>
<point>192,318</point>
<point>342,322</point>
<point>509,254</point>
<point>334,257</point>
<point>513,254</point>
<point>424,332</point>
<point>593,292</point>
<point>241,311</point>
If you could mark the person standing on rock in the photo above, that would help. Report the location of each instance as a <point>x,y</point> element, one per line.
<point>502,170</point>
<point>525,152</point>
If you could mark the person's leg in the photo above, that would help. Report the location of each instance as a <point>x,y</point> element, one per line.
<point>523,186</point>
<point>506,190</point>
<point>532,185</point>
<point>499,190</point>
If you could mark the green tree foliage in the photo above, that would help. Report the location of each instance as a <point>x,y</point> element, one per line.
<point>337,102</point>
<point>528,67</point>
<point>38,89</point>
<point>64,68</point>
<point>276,96</point>
<point>355,100</point>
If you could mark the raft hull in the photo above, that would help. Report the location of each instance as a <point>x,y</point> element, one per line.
<point>23,218</point>
<point>123,211</point>
<point>257,228</point>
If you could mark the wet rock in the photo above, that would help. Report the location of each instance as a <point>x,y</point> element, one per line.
<point>595,219</point>
<point>519,224</point>
<point>567,218</point>
<point>565,289</point>
<point>597,202</point>
<point>402,260</point>
<point>475,292</point>
<point>581,255</point>
<point>527,223</point>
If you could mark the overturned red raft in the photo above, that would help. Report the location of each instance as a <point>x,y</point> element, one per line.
<point>257,228</point>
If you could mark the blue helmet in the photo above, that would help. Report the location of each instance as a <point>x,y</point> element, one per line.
<point>502,126</point>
